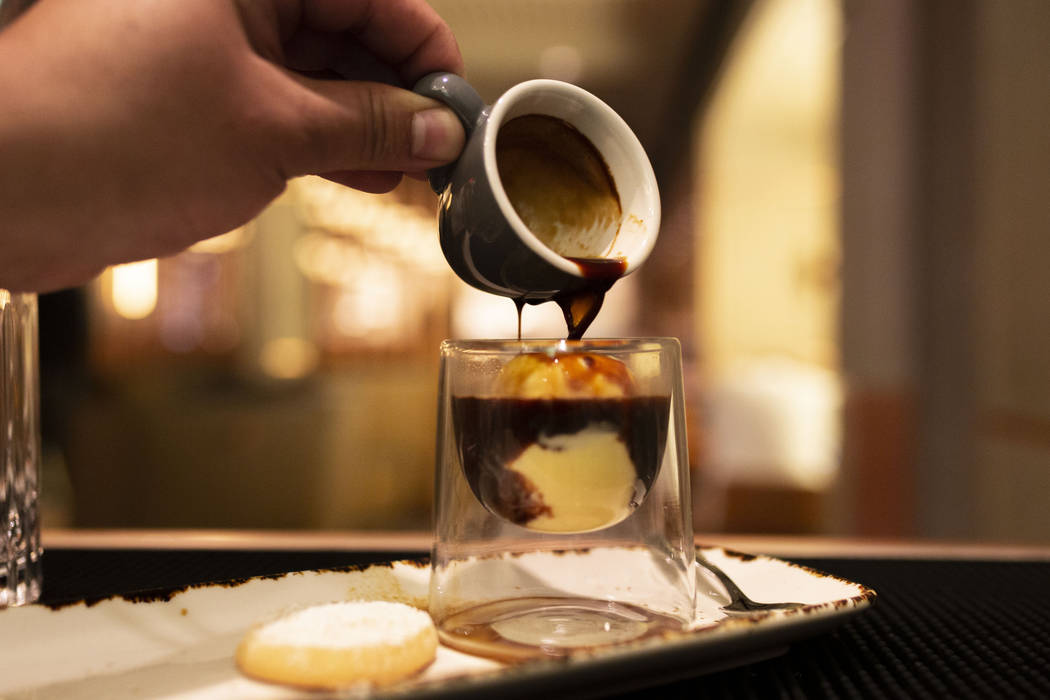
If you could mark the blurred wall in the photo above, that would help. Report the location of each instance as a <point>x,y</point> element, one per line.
<point>946,297</point>
<point>1011,257</point>
<point>767,286</point>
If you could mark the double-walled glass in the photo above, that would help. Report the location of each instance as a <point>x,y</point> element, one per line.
<point>562,514</point>
<point>20,578</point>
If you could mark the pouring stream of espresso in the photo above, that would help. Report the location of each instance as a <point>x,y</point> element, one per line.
<point>561,187</point>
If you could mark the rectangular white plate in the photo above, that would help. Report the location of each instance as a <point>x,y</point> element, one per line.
<point>181,646</point>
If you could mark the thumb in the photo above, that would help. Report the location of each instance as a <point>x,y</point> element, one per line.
<point>365,126</point>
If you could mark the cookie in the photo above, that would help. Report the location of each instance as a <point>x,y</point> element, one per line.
<point>340,644</point>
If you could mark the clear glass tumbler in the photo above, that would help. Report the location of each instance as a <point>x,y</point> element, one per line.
<point>562,514</point>
<point>20,552</point>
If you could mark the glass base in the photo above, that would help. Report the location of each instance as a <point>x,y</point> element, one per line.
<point>20,579</point>
<point>526,628</point>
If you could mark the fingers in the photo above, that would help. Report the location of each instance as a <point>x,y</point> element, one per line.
<point>437,137</point>
<point>405,34</point>
<point>358,131</point>
<point>311,52</point>
<point>364,126</point>
<point>374,181</point>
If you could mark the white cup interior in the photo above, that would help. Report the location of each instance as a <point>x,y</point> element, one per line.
<point>627,161</point>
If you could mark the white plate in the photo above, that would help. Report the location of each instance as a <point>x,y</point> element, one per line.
<point>182,647</point>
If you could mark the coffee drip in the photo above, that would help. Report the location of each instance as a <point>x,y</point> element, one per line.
<point>581,306</point>
<point>561,187</point>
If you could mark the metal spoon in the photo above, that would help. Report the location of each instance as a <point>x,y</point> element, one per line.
<point>738,600</point>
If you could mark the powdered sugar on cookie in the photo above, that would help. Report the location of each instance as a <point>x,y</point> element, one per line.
<point>338,625</point>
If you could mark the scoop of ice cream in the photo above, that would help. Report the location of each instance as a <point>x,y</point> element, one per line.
<point>585,481</point>
<point>573,471</point>
<point>565,375</point>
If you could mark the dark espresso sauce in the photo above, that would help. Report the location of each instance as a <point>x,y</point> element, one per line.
<point>492,432</point>
<point>580,306</point>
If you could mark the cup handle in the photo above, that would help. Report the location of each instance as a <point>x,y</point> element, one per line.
<point>463,100</point>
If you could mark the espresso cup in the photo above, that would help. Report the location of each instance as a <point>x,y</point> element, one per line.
<point>485,240</point>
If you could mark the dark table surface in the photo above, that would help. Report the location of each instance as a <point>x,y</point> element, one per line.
<point>940,628</point>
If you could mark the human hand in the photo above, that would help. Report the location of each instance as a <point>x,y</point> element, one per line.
<point>133,128</point>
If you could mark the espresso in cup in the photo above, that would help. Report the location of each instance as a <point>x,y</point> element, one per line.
<point>561,187</point>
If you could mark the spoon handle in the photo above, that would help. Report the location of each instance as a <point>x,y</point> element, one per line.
<point>738,600</point>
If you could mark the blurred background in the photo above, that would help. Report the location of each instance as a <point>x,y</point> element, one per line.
<point>854,254</point>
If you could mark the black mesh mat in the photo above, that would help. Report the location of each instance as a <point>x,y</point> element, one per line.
<point>947,629</point>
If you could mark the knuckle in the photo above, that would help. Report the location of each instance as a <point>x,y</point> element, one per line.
<point>382,134</point>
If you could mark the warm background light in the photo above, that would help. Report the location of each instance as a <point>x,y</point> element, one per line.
<point>134,289</point>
